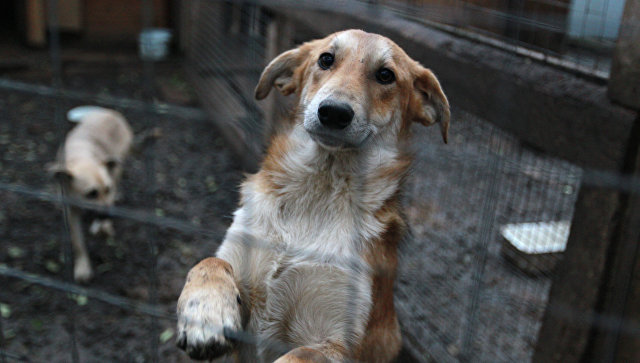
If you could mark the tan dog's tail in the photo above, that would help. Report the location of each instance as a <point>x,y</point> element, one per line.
<point>76,114</point>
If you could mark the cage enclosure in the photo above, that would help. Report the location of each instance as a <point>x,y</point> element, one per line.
<point>524,227</point>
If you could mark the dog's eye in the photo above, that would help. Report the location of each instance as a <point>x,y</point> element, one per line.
<point>385,76</point>
<point>92,194</point>
<point>326,60</point>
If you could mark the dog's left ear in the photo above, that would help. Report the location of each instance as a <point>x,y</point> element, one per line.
<point>280,73</point>
<point>59,171</point>
<point>429,103</point>
<point>112,163</point>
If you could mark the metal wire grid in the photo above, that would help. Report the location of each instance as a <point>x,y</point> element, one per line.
<point>201,54</point>
<point>464,300</point>
<point>225,64</point>
<point>496,181</point>
<point>577,35</point>
<point>57,91</point>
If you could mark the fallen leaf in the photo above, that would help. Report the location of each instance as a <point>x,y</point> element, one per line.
<point>15,252</point>
<point>211,184</point>
<point>9,333</point>
<point>36,324</point>
<point>52,266</point>
<point>79,299</point>
<point>82,300</point>
<point>5,310</point>
<point>166,335</point>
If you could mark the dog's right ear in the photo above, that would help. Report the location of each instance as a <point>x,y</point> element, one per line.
<point>59,172</point>
<point>280,73</point>
<point>429,104</point>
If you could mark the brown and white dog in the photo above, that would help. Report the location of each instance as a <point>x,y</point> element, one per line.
<point>308,265</point>
<point>89,163</point>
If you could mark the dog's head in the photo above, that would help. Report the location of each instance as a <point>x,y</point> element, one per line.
<point>87,179</point>
<point>354,86</point>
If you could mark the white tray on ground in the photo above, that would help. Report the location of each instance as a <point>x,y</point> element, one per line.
<point>535,247</point>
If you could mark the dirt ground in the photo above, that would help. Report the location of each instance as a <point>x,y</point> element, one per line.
<point>195,180</point>
<point>456,199</point>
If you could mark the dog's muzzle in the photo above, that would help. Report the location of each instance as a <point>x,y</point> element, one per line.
<point>336,126</point>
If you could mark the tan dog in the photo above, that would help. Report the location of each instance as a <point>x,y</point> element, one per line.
<point>90,164</point>
<point>308,265</point>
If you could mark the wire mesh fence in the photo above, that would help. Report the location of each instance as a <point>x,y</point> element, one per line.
<point>466,291</point>
<point>579,35</point>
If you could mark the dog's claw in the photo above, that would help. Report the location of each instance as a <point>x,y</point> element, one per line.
<point>212,349</point>
<point>203,334</point>
<point>209,350</point>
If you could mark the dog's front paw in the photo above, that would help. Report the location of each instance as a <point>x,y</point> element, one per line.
<point>206,324</point>
<point>82,271</point>
<point>104,227</point>
<point>209,313</point>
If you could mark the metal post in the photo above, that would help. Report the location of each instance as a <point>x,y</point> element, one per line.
<point>56,80</point>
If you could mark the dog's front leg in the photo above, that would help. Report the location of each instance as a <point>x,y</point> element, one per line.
<point>82,271</point>
<point>209,309</point>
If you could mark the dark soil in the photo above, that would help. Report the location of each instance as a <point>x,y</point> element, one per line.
<point>186,174</point>
<point>456,294</point>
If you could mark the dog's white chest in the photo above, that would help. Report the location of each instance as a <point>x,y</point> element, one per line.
<point>317,225</point>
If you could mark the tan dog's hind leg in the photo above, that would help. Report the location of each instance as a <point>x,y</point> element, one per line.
<point>107,228</point>
<point>104,226</point>
<point>208,305</point>
<point>82,271</point>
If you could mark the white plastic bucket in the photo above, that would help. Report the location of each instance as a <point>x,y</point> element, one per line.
<point>153,43</point>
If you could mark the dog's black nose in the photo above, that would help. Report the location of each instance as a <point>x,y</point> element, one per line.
<point>335,115</point>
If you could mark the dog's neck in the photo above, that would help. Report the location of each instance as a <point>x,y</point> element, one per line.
<point>296,165</point>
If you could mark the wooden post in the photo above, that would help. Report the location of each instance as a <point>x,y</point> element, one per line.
<point>185,26</point>
<point>618,340</point>
<point>624,82</point>
<point>70,18</point>
<point>567,322</point>
<point>594,305</point>
<point>35,23</point>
